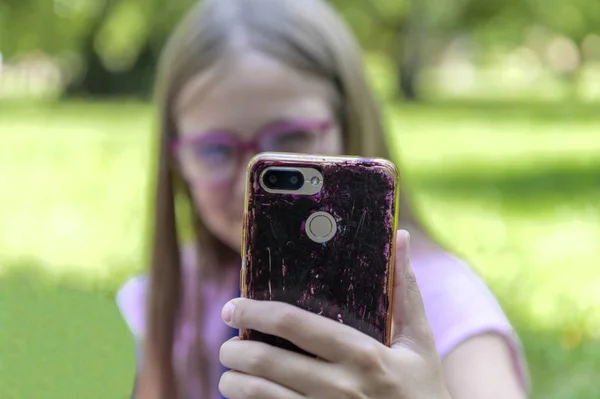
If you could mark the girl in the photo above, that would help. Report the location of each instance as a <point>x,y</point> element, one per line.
<point>233,70</point>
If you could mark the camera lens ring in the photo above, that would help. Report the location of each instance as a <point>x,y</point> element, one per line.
<point>283,179</point>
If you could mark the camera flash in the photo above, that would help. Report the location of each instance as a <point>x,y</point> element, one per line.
<point>315,180</point>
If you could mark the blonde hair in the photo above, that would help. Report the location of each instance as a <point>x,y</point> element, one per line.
<point>306,35</point>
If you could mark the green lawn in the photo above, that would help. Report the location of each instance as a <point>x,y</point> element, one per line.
<point>514,188</point>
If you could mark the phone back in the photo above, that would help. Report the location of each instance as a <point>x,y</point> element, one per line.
<point>348,278</point>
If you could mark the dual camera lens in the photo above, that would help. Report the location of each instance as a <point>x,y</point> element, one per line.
<point>283,179</point>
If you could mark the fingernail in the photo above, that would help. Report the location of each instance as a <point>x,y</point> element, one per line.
<point>227,312</point>
<point>406,243</point>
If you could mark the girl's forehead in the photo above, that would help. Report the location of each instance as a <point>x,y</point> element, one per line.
<point>249,91</point>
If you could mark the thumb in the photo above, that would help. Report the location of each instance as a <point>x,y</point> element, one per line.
<point>409,321</point>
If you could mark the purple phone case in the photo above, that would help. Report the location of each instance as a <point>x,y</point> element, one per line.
<point>347,279</point>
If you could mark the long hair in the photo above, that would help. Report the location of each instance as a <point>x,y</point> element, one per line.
<point>306,35</point>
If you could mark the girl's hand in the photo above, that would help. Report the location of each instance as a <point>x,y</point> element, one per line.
<point>350,364</point>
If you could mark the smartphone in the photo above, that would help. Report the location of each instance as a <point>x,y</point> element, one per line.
<point>319,233</point>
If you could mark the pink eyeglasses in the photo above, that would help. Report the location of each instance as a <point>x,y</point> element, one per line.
<point>215,157</point>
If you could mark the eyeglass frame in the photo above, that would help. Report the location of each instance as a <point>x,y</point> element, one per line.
<point>241,146</point>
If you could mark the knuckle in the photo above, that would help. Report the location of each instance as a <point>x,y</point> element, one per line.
<point>286,320</point>
<point>346,388</point>
<point>367,356</point>
<point>258,361</point>
<point>341,341</point>
<point>411,281</point>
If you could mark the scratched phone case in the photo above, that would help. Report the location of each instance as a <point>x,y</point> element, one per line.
<point>349,278</point>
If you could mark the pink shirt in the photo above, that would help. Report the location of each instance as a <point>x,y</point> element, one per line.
<point>457,302</point>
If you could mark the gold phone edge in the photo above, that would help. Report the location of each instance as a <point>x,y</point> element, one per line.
<point>392,258</point>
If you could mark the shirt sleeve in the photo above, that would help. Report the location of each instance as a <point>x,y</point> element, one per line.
<point>131,301</point>
<point>459,306</point>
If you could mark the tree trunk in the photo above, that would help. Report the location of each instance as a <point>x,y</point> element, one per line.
<point>408,72</point>
<point>410,60</point>
<point>99,81</point>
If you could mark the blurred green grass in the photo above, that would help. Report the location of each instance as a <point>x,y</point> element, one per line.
<point>514,188</point>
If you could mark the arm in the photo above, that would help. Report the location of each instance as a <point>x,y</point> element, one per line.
<point>481,355</point>
<point>482,367</point>
<point>147,381</point>
<point>131,303</point>
<point>137,352</point>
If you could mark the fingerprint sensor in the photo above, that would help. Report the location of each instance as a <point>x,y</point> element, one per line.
<point>321,227</point>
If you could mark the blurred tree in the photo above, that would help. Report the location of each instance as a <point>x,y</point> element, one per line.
<point>122,46</point>
<point>117,42</point>
<point>116,51</point>
<point>381,26</point>
<point>414,39</point>
<point>410,32</point>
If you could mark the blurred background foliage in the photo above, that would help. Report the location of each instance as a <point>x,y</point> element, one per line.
<point>110,47</point>
<point>492,109</point>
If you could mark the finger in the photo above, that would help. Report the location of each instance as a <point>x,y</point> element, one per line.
<point>236,385</point>
<point>313,333</point>
<point>292,370</point>
<point>410,324</point>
